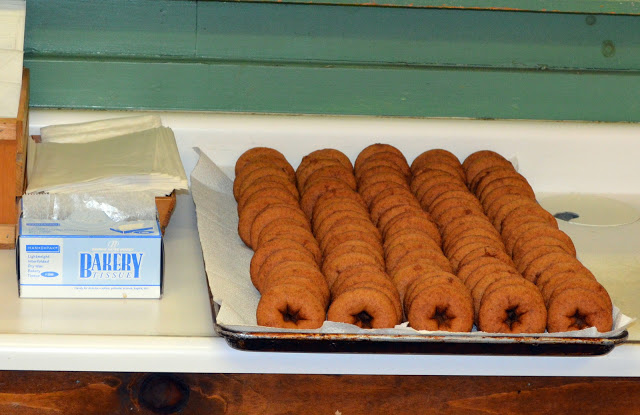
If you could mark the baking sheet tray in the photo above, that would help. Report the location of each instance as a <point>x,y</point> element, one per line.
<point>419,344</point>
<point>245,338</point>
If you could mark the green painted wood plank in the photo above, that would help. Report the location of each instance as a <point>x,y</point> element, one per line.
<point>403,91</point>
<point>111,27</point>
<point>299,33</point>
<point>629,7</point>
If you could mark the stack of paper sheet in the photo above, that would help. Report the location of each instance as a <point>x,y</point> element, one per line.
<point>140,160</point>
<point>12,17</point>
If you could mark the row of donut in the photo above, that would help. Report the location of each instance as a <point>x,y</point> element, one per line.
<point>542,253</point>
<point>353,263</point>
<point>285,267</point>
<point>433,298</point>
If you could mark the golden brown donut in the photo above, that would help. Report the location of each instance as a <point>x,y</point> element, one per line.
<point>289,229</point>
<point>365,307</point>
<point>273,212</point>
<point>291,307</point>
<point>333,172</point>
<point>327,154</point>
<point>441,307</point>
<point>317,188</point>
<point>374,149</point>
<point>436,155</point>
<point>257,153</point>
<point>243,181</point>
<point>512,308</point>
<point>576,309</point>
<point>385,159</point>
<point>337,264</point>
<point>410,220</point>
<point>288,270</point>
<point>275,259</point>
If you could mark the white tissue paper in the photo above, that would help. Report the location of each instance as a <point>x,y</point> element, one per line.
<point>12,18</point>
<point>227,262</point>
<point>145,161</point>
<point>98,130</point>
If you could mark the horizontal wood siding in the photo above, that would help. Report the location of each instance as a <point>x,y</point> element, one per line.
<point>293,58</point>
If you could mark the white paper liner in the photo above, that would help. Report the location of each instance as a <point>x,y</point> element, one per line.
<point>227,262</point>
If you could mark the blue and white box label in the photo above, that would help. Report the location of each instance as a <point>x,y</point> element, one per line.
<point>72,260</point>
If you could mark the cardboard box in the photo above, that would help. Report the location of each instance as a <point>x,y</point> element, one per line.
<point>67,259</point>
<point>13,139</point>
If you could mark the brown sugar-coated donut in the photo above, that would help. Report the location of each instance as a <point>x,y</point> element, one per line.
<point>540,231</point>
<point>354,246</point>
<point>373,149</point>
<point>276,191</point>
<point>441,307</point>
<point>290,230</point>
<point>266,250</point>
<point>436,155</point>
<point>275,259</point>
<point>257,153</point>
<point>365,236</point>
<point>405,258</point>
<point>286,270</point>
<point>489,159</point>
<point>405,276</point>
<point>332,268</point>
<point>327,154</point>
<point>560,262</point>
<point>520,250</point>
<point>576,309</point>
<point>512,308</point>
<point>485,251</point>
<point>365,307</point>
<point>410,220</point>
<point>316,189</point>
<point>454,170</point>
<point>241,183</point>
<point>333,172</point>
<point>398,163</point>
<point>366,276</point>
<point>275,212</point>
<point>290,306</point>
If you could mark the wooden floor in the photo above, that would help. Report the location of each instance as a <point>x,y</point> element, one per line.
<point>126,393</point>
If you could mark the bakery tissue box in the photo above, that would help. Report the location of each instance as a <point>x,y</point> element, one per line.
<point>88,246</point>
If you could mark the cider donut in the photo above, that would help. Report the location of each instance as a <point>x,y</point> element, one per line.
<point>436,155</point>
<point>291,307</point>
<point>441,307</point>
<point>365,307</point>
<point>377,148</point>
<point>275,212</point>
<point>257,153</point>
<point>317,188</point>
<point>576,309</point>
<point>327,154</point>
<point>332,172</point>
<point>512,308</point>
<point>333,268</point>
<point>391,160</point>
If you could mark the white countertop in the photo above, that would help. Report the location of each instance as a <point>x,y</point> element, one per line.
<point>173,335</point>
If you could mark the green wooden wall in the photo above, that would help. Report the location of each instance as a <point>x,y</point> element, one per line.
<point>335,59</point>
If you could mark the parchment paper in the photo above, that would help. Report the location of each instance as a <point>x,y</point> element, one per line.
<point>227,262</point>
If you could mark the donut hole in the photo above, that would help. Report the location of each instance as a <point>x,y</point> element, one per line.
<point>578,320</point>
<point>290,314</point>
<point>513,316</point>
<point>363,320</point>
<point>442,317</point>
